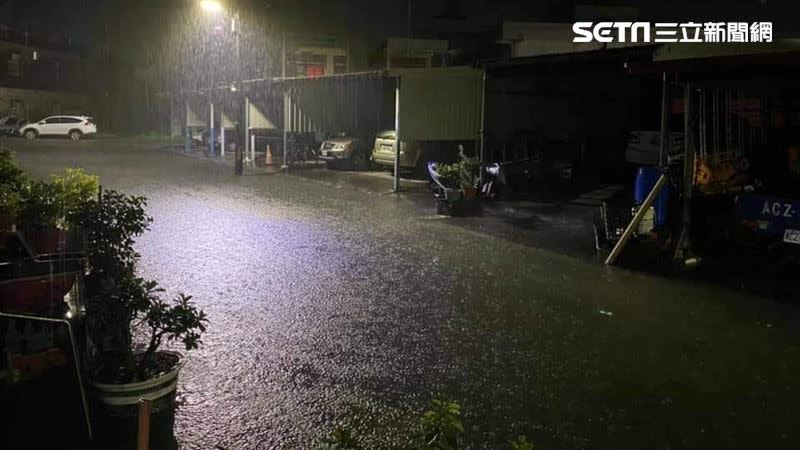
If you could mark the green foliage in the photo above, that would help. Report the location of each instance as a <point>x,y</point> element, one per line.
<point>520,443</point>
<point>449,174</point>
<point>115,295</point>
<point>111,224</point>
<point>12,182</point>
<point>117,298</point>
<point>10,174</point>
<point>73,189</point>
<point>38,206</point>
<point>10,200</point>
<point>441,427</point>
<point>462,174</point>
<point>468,171</point>
<point>341,439</point>
<point>179,320</point>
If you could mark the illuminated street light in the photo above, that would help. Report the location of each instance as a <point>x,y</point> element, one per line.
<point>211,6</point>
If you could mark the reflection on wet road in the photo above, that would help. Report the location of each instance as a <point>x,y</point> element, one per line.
<point>338,306</point>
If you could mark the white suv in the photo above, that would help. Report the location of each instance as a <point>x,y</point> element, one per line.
<point>74,127</point>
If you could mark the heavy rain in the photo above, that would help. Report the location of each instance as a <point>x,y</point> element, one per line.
<point>442,225</point>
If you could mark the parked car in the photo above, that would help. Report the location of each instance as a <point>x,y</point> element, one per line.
<point>74,127</point>
<point>416,154</point>
<point>383,151</point>
<point>9,125</point>
<point>347,151</point>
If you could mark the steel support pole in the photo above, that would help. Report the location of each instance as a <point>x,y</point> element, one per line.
<point>188,132</point>
<point>637,218</point>
<point>397,144</point>
<point>211,136</point>
<point>286,121</point>
<point>664,149</point>
<point>247,128</point>
<point>482,143</point>
<point>222,135</point>
<point>684,243</point>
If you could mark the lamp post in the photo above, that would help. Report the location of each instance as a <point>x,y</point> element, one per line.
<point>216,7</point>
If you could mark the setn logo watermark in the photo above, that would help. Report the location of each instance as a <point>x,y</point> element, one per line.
<point>672,32</point>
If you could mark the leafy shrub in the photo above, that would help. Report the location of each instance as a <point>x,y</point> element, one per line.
<point>117,298</point>
<point>520,443</point>
<point>463,174</point>
<point>73,189</point>
<point>39,207</point>
<point>12,181</point>
<point>441,427</point>
<point>341,439</point>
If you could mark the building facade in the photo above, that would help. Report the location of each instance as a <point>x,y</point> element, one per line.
<point>40,75</point>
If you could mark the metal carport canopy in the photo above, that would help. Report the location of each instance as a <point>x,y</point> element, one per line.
<point>428,104</point>
<point>333,103</point>
<point>352,102</point>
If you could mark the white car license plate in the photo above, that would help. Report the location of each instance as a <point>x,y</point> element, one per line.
<point>791,236</point>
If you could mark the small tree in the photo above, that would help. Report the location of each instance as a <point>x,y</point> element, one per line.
<point>118,300</point>
<point>178,321</point>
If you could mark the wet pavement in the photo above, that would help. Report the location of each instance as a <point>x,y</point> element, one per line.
<point>337,305</point>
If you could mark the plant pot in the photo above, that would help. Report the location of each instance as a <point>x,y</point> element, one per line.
<point>41,294</point>
<point>46,242</point>
<point>470,193</point>
<point>453,195</point>
<point>117,407</point>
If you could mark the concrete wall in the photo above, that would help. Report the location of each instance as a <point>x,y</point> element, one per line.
<point>35,104</point>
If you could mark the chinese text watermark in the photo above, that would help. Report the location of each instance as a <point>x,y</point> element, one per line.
<point>672,32</point>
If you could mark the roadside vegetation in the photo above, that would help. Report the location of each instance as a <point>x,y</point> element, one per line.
<point>440,428</point>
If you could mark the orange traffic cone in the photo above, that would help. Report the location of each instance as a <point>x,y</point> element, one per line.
<point>268,156</point>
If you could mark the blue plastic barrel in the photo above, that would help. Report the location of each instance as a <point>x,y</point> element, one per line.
<point>646,178</point>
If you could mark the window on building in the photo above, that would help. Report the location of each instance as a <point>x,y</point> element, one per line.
<point>340,64</point>
<point>15,65</point>
<point>309,64</point>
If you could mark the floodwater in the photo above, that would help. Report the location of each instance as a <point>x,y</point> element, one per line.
<point>333,306</point>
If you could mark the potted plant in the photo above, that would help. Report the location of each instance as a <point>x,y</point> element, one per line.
<point>456,183</point>
<point>468,170</point>
<point>121,306</point>
<point>45,208</point>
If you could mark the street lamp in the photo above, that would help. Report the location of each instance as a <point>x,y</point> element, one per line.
<point>216,7</point>
<point>211,6</point>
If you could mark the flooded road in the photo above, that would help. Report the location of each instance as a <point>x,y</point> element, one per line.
<point>336,306</point>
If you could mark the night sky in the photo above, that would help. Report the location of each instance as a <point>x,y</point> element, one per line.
<point>366,19</point>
